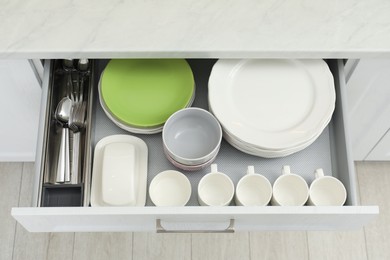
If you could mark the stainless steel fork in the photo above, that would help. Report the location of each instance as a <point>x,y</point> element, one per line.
<point>77,119</point>
<point>76,124</point>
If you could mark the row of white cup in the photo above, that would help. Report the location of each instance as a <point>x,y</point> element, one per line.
<point>172,188</point>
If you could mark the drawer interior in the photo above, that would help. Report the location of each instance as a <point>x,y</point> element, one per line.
<point>323,153</point>
<point>329,151</point>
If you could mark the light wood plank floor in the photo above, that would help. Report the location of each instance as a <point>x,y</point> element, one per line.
<point>370,242</point>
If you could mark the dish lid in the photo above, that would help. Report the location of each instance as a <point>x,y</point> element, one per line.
<point>145,92</point>
<point>119,169</point>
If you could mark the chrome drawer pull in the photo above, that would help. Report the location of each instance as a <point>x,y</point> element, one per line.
<point>161,229</point>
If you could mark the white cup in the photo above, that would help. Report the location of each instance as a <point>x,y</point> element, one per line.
<point>215,189</point>
<point>326,191</point>
<point>289,189</point>
<point>170,188</point>
<point>253,189</point>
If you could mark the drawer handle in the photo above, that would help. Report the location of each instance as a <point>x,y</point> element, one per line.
<point>161,229</point>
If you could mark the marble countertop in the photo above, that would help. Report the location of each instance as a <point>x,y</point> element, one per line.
<point>195,29</point>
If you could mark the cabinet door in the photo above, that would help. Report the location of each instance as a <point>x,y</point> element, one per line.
<point>19,110</point>
<point>349,67</point>
<point>381,151</point>
<point>368,91</point>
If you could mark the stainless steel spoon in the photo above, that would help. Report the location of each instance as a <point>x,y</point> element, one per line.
<point>62,114</point>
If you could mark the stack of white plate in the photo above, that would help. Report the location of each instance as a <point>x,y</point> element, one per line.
<point>271,108</point>
<point>139,95</point>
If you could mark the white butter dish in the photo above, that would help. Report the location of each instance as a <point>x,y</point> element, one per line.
<point>119,174</point>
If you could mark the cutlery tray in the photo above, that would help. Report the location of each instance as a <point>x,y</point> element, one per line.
<point>330,151</point>
<point>63,194</point>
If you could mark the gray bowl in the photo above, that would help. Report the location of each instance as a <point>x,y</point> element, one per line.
<point>192,136</point>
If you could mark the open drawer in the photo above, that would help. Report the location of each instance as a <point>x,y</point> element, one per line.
<point>331,151</point>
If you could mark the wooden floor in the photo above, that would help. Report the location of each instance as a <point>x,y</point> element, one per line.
<point>370,242</point>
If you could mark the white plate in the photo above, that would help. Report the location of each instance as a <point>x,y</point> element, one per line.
<point>264,153</point>
<point>257,151</point>
<point>139,169</point>
<point>267,153</point>
<point>272,104</point>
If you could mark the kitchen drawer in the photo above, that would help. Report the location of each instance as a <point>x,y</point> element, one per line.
<point>330,151</point>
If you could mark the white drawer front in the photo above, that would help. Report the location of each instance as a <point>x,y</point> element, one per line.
<point>193,219</point>
<point>331,151</point>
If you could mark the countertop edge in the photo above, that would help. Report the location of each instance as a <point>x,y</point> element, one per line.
<point>312,54</point>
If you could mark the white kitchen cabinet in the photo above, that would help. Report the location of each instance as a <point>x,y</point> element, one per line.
<point>349,67</point>
<point>381,151</point>
<point>19,109</point>
<point>330,151</point>
<point>368,90</point>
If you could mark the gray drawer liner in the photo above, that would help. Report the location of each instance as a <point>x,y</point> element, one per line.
<point>229,160</point>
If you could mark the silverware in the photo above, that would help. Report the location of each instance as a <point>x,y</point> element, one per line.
<point>83,65</point>
<point>77,119</point>
<point>76,124</point>
<point>74,86</point>
<point>62,115</point>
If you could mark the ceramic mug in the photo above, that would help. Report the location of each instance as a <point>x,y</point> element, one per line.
<point>289,189</point>
<point>215,188</point>
<point>326,191</point>
<point>253,189</point>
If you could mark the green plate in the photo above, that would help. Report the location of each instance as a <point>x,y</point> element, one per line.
<point>145,92</point>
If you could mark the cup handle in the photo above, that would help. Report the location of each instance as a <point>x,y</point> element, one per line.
<point>319,173</point>
<point>286,169</point>
<point>214,167</point>
<point>250,170</point>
